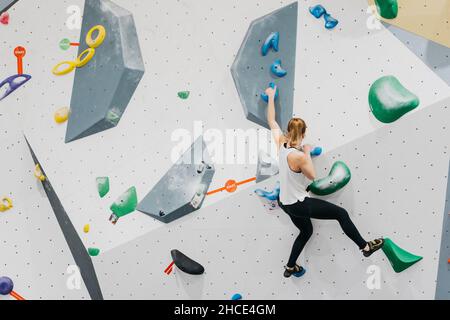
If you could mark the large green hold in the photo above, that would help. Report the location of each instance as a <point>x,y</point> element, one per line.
<point>102,186</point>
<point>388,9</point>
<point>126,203</point>
<point>389,99</point>
<point>400,259</point>
<point>338,178</point>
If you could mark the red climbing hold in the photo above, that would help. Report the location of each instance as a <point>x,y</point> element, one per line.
<point>4,18</point>
<point>169,269</point>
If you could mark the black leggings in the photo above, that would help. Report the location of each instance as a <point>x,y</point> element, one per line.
<point>301,214</point>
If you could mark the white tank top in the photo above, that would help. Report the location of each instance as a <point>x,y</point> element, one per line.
<point>293,185</point>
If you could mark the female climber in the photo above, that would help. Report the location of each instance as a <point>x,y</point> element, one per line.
<point>296,169</point>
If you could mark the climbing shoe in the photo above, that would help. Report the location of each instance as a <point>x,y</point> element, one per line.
<point>374,245</point>
<point>297,271</point>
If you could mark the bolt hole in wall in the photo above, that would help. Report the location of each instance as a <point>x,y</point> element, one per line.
<point>101,122</point>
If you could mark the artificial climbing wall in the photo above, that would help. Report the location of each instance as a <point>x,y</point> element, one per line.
<point>399,170</point>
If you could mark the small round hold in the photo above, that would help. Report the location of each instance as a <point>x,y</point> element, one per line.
<point>231,186</point>
<point>101,35</point>
<point>236,297</point>
<point>38,173</point>
<point>317,151</point>
<point>61,115</point>
<point>64,44</point>
<point>5,204</point>
<point>6,286</point>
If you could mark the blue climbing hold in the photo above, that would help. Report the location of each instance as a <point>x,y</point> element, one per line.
<point>272,41</point>
<point>277,69</point>
<point>330,22</point>
<point>236,297</point>
<point>6,286</point>
<point>272,195</point>
<point>265,97</point>
<point>12,84</point>
<point>317,11</point>
<point>300,273</point>
<point>317,151</point>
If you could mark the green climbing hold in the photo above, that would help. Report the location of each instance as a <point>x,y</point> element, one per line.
<point>184,95</point>
<point>389,99</point>
<point>125,204</point>
<point>103,186</point>
<point>64,44</point>
<point>400,259</point>
<point>113,117</point>
<point>93,252</point>
<point>388,9</point>
<point>338,178</point>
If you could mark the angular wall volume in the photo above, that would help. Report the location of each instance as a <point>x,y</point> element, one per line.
<point>428,19</point>
<point>252,71</point>
<point>183,188</point>
<point>76,246</point>
<point>103,88</point>
<point>434,55</point>
<point>6,4</point>
<point>443,278</point>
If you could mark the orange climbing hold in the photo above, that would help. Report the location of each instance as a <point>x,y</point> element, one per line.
<point>20,53</point>
<point>231,186</point>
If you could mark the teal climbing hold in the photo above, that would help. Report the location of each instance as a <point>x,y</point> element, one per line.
<point>399,258</point>
<point>388,9</point>
<point>338,178</point>
<point>124,205</point>
<point>389,99</point>
<point>272,195</point>
<point>236,297</point>
<point>102,186</point>
<point>184,95</point>
<point>93,252</point>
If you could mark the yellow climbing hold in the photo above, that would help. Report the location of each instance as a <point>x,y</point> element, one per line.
<point>85,57</point>
<point>38,173</point>
<point>87,228</point>
<point>61,115</point>
<point>70,66</point>
<point>101,35</point>
<point>5,204</point>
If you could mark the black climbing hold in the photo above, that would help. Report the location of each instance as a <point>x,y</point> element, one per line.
<point>186,264</point>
